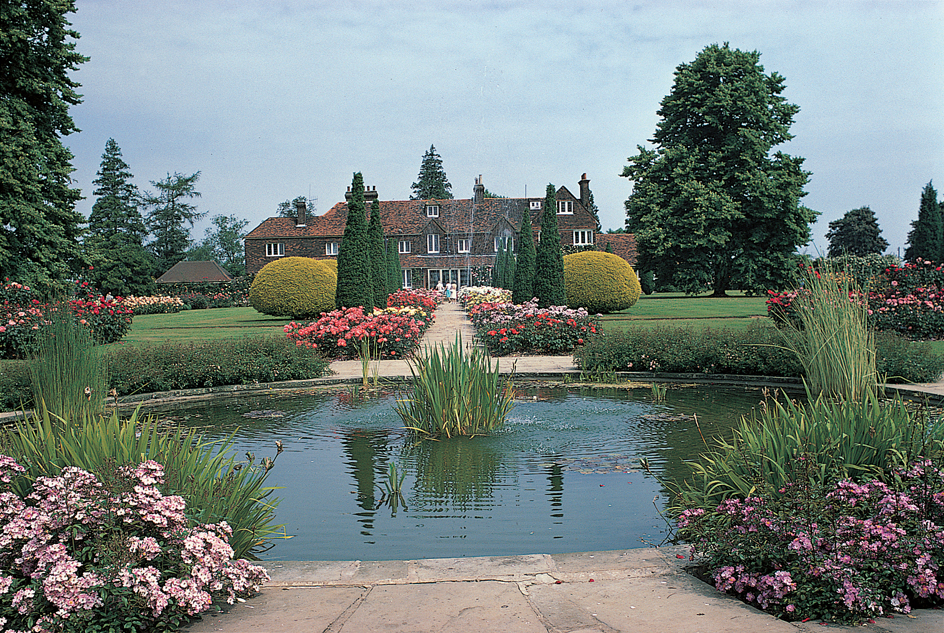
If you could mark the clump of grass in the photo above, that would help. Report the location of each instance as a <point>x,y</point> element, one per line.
<point>67,374</point>
<point>456,392</point>
<point>832,338</point>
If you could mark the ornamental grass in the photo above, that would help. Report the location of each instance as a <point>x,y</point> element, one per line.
<point>456,392</point>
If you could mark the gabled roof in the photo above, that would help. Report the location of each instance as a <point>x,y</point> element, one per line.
<point>622,244</point>
<point>194,272</point>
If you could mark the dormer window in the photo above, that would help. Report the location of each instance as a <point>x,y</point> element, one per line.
<point>565,206</point>
<point>432,210</point>
<point>535,205</point>
<point>506,241</point>
<point>432,242</point>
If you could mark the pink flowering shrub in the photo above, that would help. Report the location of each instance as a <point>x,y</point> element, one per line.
<point>845,552</point>
<point>394,332</point>
<point>422,298</point>
<point>507,328</point>
<point>81,553</point>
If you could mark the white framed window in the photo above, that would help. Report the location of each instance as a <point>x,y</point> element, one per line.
<point>583,238</point>
<point>407,278</point>
<point>331,248</point>
<point>404,246</point>
<point>535,205</point>
<point>565,206</point>
<point>275,250</point>
<point>463,245</point>
<point>432,243</point>
<point>432,210</point>
<point>507,240</point>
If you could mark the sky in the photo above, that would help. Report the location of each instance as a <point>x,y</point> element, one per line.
<point>272,99</point>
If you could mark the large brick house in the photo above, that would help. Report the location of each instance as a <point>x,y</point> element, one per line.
<point>437,239</point>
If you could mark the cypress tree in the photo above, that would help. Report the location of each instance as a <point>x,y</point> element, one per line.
<point>378,260</point>
<point>354,287</point>
<point>926,238</point>
<point>549,259</point>
<point>508,270</point>
<point>394,273</point>
<point>498,272</point>
<point>523,290</point>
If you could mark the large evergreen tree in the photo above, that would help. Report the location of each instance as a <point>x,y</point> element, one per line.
<point>378,259</point>
<point>116,232</point>
<point>39,226</point>
<point>523,290</point>
<point>171,217</point>
<point>926,238</point>
<point>432,183</point>
<point>549,259</point>
<point>354,287</point>
<point>711,206</point>
<point>856,233</point>
<point>394,272</point>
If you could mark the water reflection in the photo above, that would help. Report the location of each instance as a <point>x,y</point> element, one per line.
<point>366,456</point>
<point>456,474</point>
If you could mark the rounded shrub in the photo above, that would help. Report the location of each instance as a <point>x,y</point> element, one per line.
<point>600,282</point>
<point>296,287</point>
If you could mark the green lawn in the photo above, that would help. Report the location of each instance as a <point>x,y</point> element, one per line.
<point>702,311</point>
<point>202,325</point>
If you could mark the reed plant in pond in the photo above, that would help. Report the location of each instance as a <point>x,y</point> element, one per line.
<point>455,391</point>
<point>831,335</point>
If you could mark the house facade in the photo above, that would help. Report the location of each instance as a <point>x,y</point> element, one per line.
<point>437,240</point>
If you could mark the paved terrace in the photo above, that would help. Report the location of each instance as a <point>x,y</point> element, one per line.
<point>640,590</point>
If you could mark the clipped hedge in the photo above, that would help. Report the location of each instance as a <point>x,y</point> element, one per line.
<point>755,351</point>
<point>297,287</point>
<point>600,282</point>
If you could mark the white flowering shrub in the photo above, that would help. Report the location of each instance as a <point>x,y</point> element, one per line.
<point>158,304</point>
<point>83,553</point>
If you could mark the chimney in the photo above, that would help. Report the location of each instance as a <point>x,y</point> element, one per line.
<point>370,194</point>
<point>479,189</point>
<point>301,210</point>
<point>584,190</point>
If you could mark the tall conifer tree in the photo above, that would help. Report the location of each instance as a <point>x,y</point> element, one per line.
<point>926,238</point>
<point>432,183</point>
<point>523,290</point>
<point>549,259</point>
<point>39,226</point>
<point>378,259</point>
<point>394,273</point>
<point>116,232</point>
<point>354,288</point>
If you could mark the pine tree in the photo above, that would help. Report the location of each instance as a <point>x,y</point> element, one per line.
<point>594,210</point>
<point>508,270</point>
<point>169,216</point>
<point>498,270</point>
<point>354,288</point>
<point>856,233</point>
<point>926,238</point>
<point>378,259</point>
<point>432,183</point>
<point>39,226</point>
<point>115,243</point>
<point>549,259</point>
<point>523,290</point>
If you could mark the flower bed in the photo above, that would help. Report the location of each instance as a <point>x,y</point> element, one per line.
<point>157,304</point>
<point>391,333</point>
<point>507,328</point>
<point>84,553</point>
<point>471,296</point>
<point>907,299</point>
<point>849,553</point>
<point>22,317</point>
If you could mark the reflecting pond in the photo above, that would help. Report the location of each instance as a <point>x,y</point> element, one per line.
<point>563,475</point>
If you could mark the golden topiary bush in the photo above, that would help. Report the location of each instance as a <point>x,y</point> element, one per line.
<point>600,282</point>
<point>296,287</point>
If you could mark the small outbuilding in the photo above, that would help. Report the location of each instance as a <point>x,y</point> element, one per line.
<point>194,273</point>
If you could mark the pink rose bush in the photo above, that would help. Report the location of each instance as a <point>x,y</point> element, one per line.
<point>82,553</point>
<point>507,328</point>
<point>851,552</point>
<point>393,332</point>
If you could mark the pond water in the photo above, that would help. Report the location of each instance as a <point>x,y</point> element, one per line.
<point>563,474</point>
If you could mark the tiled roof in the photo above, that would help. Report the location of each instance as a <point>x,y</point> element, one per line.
<point>408,217</point>
<point>194,272</point>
